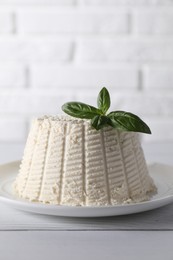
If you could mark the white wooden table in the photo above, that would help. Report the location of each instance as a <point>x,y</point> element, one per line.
<point>141,236</point>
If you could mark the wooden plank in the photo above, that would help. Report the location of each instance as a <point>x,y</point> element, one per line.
<point>79,245</point>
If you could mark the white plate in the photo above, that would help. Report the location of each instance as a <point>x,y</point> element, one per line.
<point>162,175</point>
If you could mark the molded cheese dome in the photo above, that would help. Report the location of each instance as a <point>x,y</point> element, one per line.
<point>67,162</point>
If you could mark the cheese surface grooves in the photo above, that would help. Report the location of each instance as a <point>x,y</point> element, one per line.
<point>67,162</point>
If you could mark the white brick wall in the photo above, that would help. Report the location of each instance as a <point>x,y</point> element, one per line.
<point>83,77</point>
<point>12,129</point>
<point>143,50</point>
<point>126,2</point>
<point>39,49</point>
<point>158,78</point>
<point>12,76</point>
<point>72,21</point>
<point>6,25</point>
<point>37,2</point>
<point>53,51</point>
<point>154,22</point>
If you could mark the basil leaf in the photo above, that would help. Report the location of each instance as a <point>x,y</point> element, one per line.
<point>128,121</point>
<point>99,121</point>
<point>80,110</point>
<point>103,100</point>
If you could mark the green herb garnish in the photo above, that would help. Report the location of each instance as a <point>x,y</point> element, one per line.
<point>99,118</point>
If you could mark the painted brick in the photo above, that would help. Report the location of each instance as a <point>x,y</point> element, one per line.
<point>71,77</point>
<point>72,21</point>
<point>148,104</point>
<point>37,2</point>
<point>33,50</point>
<point>6,25</point>
<point>12,76</point>
<point>126,2</point>
<point>12,129</point>
<point>138,50</point>
<point>161,130</point>
<point>154,22</point>
<point>158,78</point>
<point>142,104</point>
<point>24,104</point>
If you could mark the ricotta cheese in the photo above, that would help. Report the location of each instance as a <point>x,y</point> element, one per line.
<point>67,162</point>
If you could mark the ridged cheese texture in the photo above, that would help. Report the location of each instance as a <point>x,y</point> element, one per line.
<point>67,162</point>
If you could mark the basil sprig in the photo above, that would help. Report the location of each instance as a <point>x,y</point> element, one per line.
<point>117,119</point>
